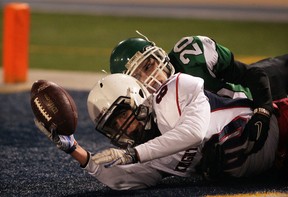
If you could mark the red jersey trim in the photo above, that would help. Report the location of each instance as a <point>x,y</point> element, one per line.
<point>177,98</point>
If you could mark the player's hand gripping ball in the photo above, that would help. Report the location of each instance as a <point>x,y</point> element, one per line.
<point>54,107</point>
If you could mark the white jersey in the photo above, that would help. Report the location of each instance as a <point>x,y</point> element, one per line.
<point>187,118</point>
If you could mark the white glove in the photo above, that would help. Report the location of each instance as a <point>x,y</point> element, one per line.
<point>63,142</point>
<point>112,157</point>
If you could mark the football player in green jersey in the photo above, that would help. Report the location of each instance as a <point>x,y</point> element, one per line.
<point>201,56</point>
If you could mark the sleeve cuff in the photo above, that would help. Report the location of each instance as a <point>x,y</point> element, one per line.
<point>88,158</point>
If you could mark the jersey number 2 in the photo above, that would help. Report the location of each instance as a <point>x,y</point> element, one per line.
<point>182,44</point>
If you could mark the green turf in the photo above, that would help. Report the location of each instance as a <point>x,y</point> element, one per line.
<point>84,42</point>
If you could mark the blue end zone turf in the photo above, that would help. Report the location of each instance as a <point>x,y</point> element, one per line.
<point>32,166</point>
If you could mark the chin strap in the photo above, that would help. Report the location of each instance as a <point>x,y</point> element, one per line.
<point>153,43</point>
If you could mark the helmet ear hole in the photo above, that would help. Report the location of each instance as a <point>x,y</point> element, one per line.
<point>141,113</point>
<point>141,93</point>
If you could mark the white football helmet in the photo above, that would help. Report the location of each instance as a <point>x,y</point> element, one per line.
<point>111,96</point>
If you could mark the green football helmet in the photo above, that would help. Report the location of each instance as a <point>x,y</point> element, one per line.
<point>129,54</point>
<point>124,51</point>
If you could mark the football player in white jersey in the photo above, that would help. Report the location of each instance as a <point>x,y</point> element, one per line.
<point>188,119</point>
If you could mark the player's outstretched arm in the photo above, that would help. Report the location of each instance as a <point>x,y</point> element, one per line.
<point>81,155</point>
<point>134,177</point>
<point>66,143</point>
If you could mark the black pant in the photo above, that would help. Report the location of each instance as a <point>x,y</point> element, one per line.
<point>277,71</point>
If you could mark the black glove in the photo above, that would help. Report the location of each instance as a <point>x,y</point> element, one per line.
<point>212,162</point>
<point>257,129</point>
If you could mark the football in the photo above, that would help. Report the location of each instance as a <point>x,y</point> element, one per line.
<point>54,107</point>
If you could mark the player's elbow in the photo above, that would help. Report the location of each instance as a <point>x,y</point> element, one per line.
<point>199,137</point>
<point>198,133</point>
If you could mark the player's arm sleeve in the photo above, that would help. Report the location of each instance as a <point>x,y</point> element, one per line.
<point>227,69</point>
<point>125,177</point>
<point>191,127</point>
<point>253,77</point>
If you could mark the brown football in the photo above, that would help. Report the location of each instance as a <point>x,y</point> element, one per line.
<point>53,106</point>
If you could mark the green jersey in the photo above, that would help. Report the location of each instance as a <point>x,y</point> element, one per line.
<point>202,57</point>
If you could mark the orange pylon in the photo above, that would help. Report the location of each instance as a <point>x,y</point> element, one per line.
<point>16,42</point>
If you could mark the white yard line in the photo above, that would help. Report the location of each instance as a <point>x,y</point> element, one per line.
<point>73,80</point>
